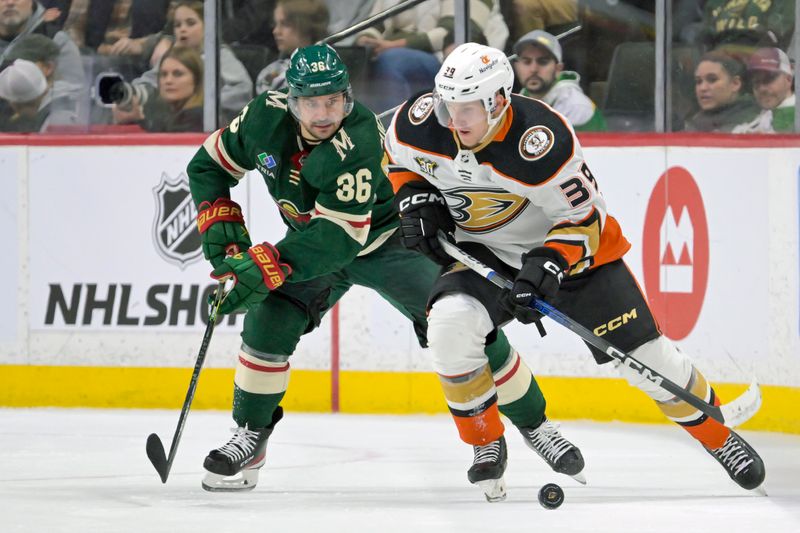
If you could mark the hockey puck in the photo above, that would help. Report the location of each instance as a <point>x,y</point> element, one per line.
<point>551,496</point>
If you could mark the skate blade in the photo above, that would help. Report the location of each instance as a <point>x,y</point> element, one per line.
<point>761,490</point>
<point>493,489</point>
<point>580,478</point>
<point>244,481</point>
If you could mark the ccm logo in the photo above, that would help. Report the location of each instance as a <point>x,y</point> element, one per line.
<point>554,269</point>
<point>635,366</point>
<point>421,199</point>
<point>614,323</point>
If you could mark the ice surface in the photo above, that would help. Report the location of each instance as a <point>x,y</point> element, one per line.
<point>86,471</point>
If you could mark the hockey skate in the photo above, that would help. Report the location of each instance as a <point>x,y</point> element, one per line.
<point>562,456</point>
<point>234,467</point>
<point>488,467</point>
<point>741,462</point>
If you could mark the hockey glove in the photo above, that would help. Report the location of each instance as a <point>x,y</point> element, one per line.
<point>255,273</point>
<point>423,212</point>
<point>540,277</point>
<point>222,230</point>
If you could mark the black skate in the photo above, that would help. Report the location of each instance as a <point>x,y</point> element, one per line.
<point>242,456</point>
<point>562,456</point>
<point>740,461</point>
<point>488,468</point>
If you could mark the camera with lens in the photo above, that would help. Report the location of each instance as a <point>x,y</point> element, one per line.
<point>111,89</point>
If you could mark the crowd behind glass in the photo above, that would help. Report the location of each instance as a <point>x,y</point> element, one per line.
<point>78,66</point>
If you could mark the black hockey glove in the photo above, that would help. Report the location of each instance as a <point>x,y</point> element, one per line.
<point>540,277</point>
<point>423,212</point>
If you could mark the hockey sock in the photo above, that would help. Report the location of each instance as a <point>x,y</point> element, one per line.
<point>708,431</point>
<point>518,394</point>
<point>472,400</point>
<point>259,386</point>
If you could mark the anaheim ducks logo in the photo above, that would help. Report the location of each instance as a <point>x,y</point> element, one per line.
<point>420,109</point>
<point>291,211</point>
<point>535,142</point>
<point>484,210</point>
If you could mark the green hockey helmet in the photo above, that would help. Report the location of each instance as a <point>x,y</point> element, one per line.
<point>318,70</point>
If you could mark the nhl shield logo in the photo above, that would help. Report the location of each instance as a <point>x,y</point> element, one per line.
<point>174,228</point>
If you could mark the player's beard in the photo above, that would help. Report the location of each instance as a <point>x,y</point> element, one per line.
<point>310,132</point>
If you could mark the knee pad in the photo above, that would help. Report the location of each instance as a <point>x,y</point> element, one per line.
<point>457,329</point>
<point>662,356</point>
<point>261,373</point>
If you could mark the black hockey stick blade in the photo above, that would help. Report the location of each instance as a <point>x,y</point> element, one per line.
<point>155,452</point>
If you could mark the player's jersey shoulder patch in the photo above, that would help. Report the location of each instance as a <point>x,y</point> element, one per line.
<point>421,109</point>
<point>536,142</point>
<point>539,143</point>
<point>414,127</point>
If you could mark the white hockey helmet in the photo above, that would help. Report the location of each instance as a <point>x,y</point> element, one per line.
<point>473,72</point>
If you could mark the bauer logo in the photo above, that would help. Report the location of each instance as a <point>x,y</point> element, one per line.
<point>174,229</point>
<point>676,252</point>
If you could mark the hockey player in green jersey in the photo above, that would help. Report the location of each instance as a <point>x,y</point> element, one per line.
<point>321,156</point>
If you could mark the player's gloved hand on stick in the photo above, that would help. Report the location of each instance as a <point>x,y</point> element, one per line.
<point>222,230</point>
<point>540,277</point>
<point>423,212</point>
<point>255,272</point>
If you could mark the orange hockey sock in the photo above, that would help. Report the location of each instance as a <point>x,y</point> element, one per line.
<point>708,431</point>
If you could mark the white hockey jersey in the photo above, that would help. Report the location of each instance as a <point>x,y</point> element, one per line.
<point>525,187</point>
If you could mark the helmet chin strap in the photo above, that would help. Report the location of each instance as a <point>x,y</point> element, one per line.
<point>494,123</point>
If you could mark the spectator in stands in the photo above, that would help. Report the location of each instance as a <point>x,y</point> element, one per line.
<point>56,12</point>
<point>126,33</point>
<point>178,105</point>
<point>19,18</point>
<point>540,71</point>
<point>740,27</point>
<point>344,15</point>
<point>773,87</point>
<point>235,87</point>
<point>553,16</point>
<point>298,23</point>
<point>243,22</point>
<point>407,49</point>
<point>724,104</point>
<point>43,52</point>
<point>26,89</point>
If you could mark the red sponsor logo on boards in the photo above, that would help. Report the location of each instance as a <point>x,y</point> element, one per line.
<point>675,252</point>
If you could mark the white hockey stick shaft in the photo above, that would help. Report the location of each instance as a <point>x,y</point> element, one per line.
<point>731,414</point>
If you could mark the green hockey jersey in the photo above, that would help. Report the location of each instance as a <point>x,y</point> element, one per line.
<point>334,196</point>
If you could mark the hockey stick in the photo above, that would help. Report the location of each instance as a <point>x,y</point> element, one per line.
<point>512,57</point>
<point>155,449</point>
<point>731,414</point>
<point>370,21</point>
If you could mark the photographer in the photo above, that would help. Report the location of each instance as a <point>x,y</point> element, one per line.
<point>178,104</point>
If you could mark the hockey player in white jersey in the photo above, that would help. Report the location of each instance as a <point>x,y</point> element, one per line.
<point>506,177</point>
